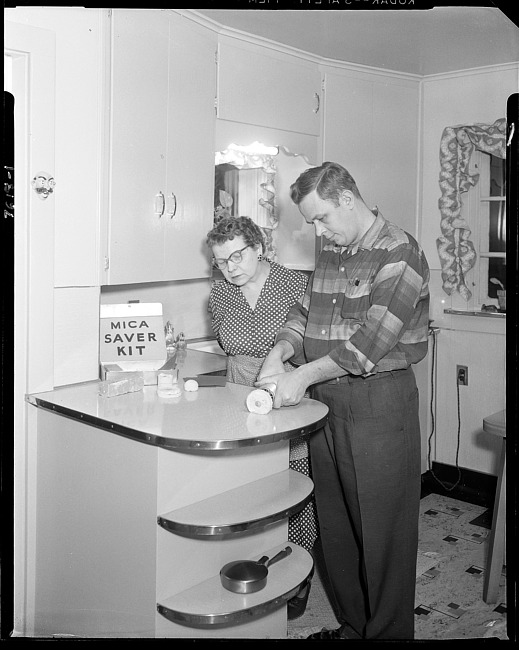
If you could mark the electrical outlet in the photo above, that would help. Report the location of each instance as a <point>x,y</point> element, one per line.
<point>462,375</point>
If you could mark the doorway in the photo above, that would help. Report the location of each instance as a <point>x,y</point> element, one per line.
<point>29,79</point>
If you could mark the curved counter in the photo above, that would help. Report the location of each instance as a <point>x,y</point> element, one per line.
<point>212,418</point>
<point>140,500</point>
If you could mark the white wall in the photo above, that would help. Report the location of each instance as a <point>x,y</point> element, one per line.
<point>479,344</point>
<point>183,303</point>
<point>371,127</point>
<point>448,100</point>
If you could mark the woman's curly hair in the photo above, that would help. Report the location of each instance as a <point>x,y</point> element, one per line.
<point>230,227</point>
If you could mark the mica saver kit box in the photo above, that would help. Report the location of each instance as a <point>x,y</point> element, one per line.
<point>131,339</point>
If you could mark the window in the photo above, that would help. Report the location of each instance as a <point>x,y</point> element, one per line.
<point>470,222</point>
<point>486,213</point>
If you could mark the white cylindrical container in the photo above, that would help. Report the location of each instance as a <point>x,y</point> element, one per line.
<point>167,385</point>
<point>261,400</point>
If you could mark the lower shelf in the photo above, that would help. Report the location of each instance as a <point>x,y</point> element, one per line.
<point>243,509</point>
<point>209,604</point>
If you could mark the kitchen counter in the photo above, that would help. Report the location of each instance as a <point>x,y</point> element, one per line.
<point>212,418</point>
<point>140,500</point>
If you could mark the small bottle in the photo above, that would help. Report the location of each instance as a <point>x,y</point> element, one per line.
<point>171,347</point>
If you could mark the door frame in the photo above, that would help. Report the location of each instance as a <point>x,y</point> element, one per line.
<point>32,56</point>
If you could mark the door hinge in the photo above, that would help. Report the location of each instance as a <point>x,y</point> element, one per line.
<point>323,84</point>
<point>107,263</point>
<point>216,105</point>
<point>216,57</point>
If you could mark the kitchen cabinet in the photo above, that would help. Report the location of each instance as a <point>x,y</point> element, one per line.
<point>372,129</point>
<point>141,500</point>
<point>162,117</point>
<point>265,87</point>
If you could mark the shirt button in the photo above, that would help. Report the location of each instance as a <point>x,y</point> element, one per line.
<point>323,331</point>
<point>342,268</point>
<point>334,300</point>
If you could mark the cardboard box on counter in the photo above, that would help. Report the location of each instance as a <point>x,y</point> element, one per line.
<point>132,340</point>
<point>114,372</point>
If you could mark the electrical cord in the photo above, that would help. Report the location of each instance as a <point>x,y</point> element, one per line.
<point>433,369</point>
<point>431,404</point>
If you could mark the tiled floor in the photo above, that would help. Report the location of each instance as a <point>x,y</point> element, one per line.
<point>449,585</point>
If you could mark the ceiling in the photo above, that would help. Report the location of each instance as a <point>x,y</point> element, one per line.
<point>441,39</point>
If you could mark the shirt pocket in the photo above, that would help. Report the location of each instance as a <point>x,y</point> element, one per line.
<point>356,295</point>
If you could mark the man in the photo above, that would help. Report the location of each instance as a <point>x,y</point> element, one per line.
<point>354,335</point>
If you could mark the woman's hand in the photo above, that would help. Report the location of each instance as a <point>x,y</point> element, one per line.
<point>271,366</point>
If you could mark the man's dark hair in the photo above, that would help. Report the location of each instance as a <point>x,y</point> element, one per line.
<point>329,180</point>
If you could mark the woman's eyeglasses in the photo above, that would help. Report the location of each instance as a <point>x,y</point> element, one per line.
<point>235,257</point>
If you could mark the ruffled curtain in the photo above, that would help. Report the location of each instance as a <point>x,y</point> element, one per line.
<point>456,251</point>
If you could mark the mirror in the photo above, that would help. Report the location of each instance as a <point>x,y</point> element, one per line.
<point>254,181</point>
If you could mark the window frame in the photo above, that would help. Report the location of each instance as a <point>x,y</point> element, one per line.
<point>477,211</point>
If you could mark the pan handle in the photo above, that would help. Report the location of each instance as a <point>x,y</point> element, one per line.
<point>263,560</point>
<point>279,556</point>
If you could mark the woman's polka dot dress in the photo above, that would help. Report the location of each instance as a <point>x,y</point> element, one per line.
<point>241,330</point>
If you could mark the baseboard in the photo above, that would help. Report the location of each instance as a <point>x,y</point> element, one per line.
<point>473,487</point>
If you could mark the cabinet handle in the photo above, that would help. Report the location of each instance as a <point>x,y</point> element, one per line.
<point>159,204</point>
<point>318,100</point>
<point>172,213</point>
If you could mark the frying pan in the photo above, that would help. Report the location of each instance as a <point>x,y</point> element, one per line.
<point>247,576</point>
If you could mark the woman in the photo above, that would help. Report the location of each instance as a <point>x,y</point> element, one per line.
<point>248,308</point>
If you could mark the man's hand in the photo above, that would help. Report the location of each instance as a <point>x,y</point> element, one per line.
<point>290,387</point>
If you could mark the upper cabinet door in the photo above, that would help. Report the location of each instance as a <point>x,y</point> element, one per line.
<point>138,144</point>
<point>263,86</point>
<point>372,130</point>
<point>190,157</point>
<point>395,163</point>
<point>348,136</point>
<point>163,75</point>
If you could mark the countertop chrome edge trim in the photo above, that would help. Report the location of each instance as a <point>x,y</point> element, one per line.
<point>231,618</point>
<point>173,444</point>
<point>99,423</point>
<point>220,532</point>
<point>481,314</point>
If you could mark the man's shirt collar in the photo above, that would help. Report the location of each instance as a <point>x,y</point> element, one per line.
<point>370,236</point>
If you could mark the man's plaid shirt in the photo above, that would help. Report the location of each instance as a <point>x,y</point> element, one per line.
<point>367,306</point>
